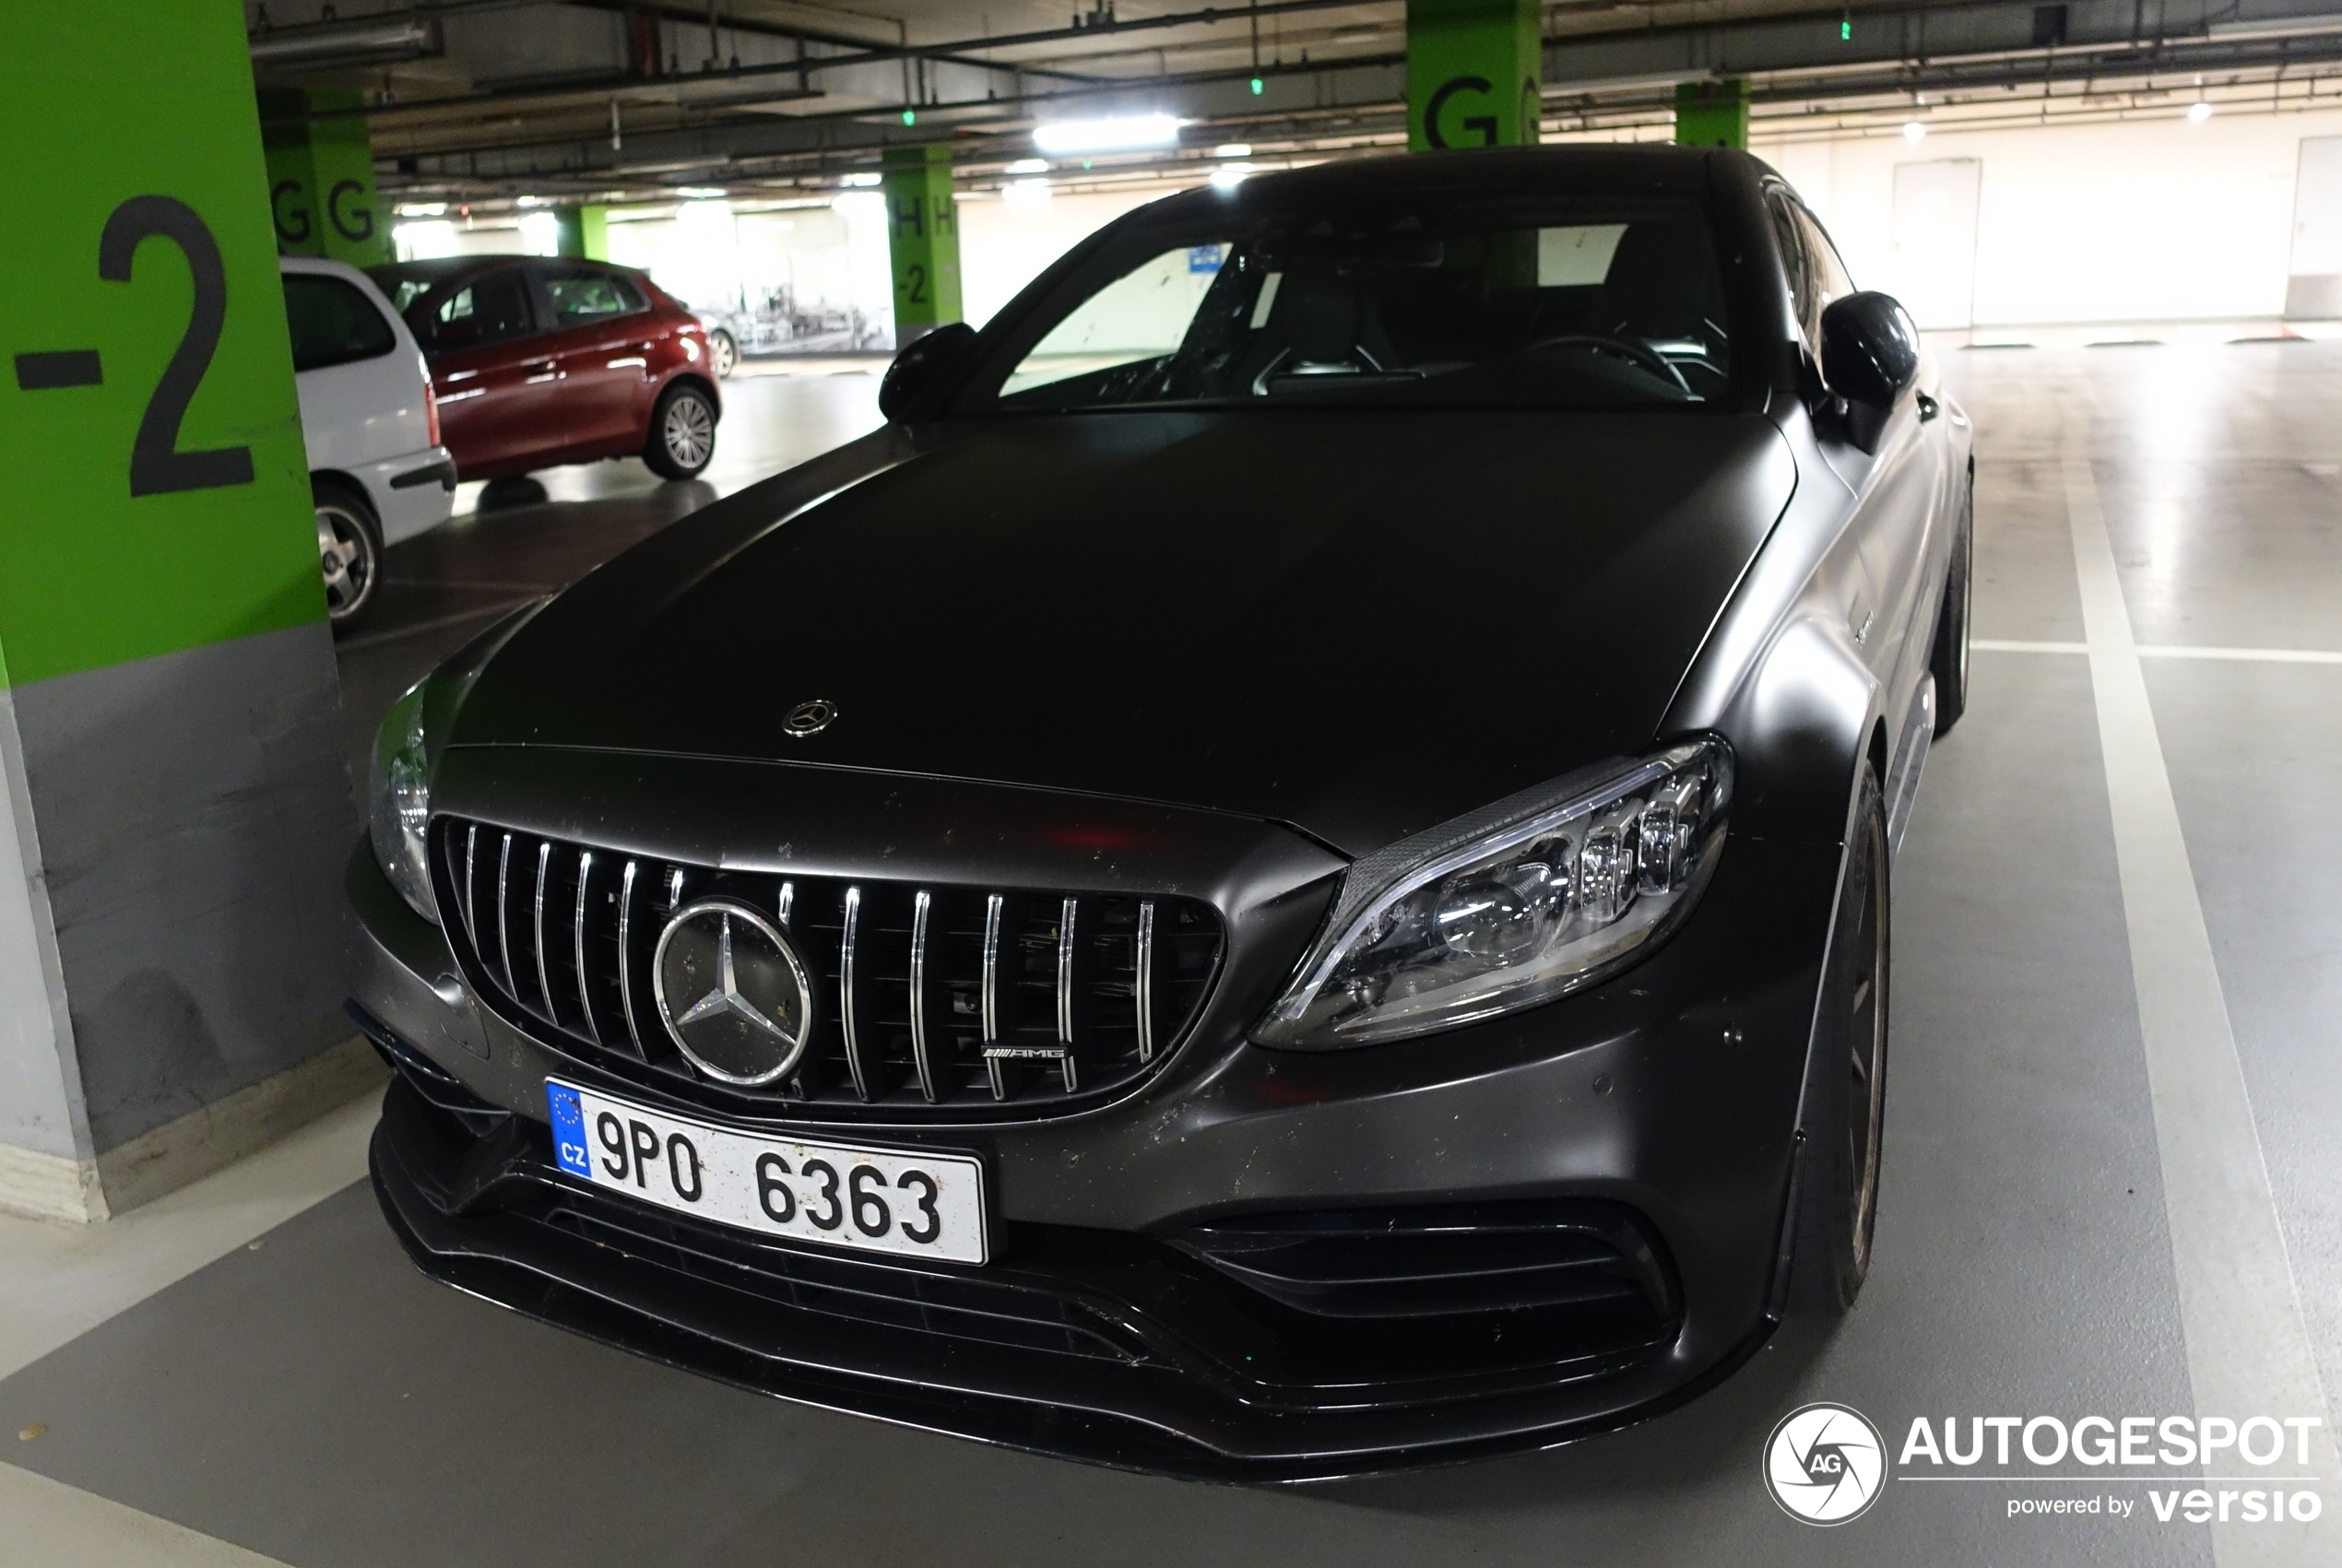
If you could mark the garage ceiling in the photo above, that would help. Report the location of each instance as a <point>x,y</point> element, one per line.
<point>485,100</point>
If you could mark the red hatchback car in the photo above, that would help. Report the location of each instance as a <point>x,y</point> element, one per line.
<point>538,362</point>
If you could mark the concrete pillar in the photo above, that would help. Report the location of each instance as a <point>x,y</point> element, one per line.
<point>923,240</point>
<point>321,179</point>
<point>1713,114</point>
<point>583,232</point>
<point>174,811</point>
<point>1473,70</point>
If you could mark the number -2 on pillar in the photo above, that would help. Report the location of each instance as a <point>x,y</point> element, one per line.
<point>174,808</point>
<point>1472,71</point>
<point>923,240</point>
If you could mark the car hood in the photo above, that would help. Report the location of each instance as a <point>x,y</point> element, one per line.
<point>1360,623</point>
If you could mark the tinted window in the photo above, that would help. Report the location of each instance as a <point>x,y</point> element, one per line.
<point>332,323</point>
<point>1415,299</point>
<point>1830,281</point>
<point>486,310</point>
<point>1799,267</point>
<point>582,296</point>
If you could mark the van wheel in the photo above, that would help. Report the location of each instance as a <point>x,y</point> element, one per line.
<point>350,549</point>
<point>682,433</point>
<point>1846,1082</point>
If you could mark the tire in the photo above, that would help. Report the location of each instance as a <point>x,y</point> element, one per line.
<point>682,433</point>
<point>1948,661</point>
<point>1845,1111</point>
<point>349,550</point>
<point>723,352</point>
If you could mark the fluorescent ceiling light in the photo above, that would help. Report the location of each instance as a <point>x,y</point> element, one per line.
<point>1233,149</point>
<point>1913,131</point>
<point>1107,135</point>
<point>422,210</point>
<point>701,193</point>
<point>863,181</point>
<point>1030,166</point>
<point>2198,111</point>
<point>2266,27</point>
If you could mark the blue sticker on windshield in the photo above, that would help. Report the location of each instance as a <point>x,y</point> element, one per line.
<point>1205,258</point>
<point>569,1130</point>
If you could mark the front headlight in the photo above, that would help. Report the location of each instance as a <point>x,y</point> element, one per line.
<point>398,803</point>
<point>1552,895</point>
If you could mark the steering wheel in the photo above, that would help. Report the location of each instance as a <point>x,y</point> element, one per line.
<point>1639,355</point>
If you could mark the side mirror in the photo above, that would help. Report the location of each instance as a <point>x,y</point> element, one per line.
<point>916,367</point>
<point>1870,356</point>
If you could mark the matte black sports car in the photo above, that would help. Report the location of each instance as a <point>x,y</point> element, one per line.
<point>1288,872</point>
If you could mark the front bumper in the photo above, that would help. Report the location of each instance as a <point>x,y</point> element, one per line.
<point>1669,1094</point>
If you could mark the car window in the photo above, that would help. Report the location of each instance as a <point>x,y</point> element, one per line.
<point>1793,258</point>
<point>405,292</point>
<point>333,322</point>
<point>1830,279</point>
<point>486,310</point>
<point>1418,299</point>
<point>582,296</point>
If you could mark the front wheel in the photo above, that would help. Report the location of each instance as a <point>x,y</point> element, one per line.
<point>1845,1109</point>
<point>723,352</point>
<point>682,435</point>
<point>349,550</point>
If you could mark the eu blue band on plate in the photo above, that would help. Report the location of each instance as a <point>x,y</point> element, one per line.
<point>569,1130</point>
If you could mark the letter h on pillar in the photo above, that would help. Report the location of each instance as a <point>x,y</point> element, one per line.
<point>923,240</point>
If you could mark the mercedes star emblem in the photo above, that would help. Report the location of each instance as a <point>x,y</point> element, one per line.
<point>809,718</point>
<point>733,993</point>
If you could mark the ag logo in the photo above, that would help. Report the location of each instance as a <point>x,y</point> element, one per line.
<point>1825,1464</point>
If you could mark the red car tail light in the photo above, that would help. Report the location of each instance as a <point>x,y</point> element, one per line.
<point>431,413</point>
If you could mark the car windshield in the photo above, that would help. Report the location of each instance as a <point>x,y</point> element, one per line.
<point>1413,301</point>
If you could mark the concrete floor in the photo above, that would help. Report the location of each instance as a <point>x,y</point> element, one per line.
<point>285,1385</point>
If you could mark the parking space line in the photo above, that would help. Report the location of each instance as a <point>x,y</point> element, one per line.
<point>2167,651</point>
<point>2248,1351</point>
<point>51,1524</point>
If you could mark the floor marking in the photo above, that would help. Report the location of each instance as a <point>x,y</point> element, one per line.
<point>395,633</point>
<point>2248,1352</point>
<point>51,1525</point>
<point>59,1280</point>
<point>2167,651</point>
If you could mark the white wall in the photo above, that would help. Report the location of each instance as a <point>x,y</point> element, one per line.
<point>1006,244</point>
<point>2142,220</point>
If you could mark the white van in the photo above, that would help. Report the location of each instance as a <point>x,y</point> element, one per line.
<point>376,469</point>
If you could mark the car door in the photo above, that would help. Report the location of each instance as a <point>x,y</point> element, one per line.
<point>598,344</point>
<point>489,370</point>
<point>1900,514</point>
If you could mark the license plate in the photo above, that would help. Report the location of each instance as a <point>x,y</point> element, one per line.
<point>917,1205</point>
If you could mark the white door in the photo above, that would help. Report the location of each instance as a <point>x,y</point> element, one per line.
<point>1934,255</point>
<point>2313,284</point>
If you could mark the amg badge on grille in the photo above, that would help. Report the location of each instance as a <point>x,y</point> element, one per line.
<point>733,993</point>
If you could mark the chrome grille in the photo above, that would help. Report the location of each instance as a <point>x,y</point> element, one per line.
<point>934,995</point>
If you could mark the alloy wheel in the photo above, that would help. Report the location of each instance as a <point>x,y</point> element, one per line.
<point>689,432</point>
<point>1866,1037</point>
<point>346,552</point>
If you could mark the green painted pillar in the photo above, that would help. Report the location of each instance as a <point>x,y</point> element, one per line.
<point>923,240</point>
<point>583,232</point>
<point>174,806</point>
<point>321,179</point>
<point>1473,70</point>
<point>1713,114</point>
